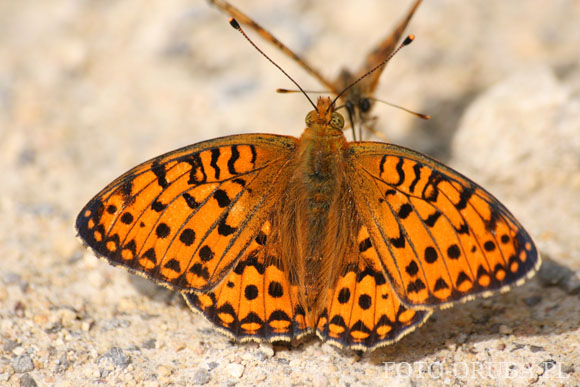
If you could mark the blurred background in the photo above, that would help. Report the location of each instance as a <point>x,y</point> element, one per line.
<point>90,88</point>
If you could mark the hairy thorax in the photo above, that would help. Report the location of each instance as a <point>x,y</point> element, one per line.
<point>317,217</point>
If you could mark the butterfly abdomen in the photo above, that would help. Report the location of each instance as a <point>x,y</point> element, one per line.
<point>313,214</point>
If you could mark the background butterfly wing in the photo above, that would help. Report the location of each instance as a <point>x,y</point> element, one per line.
<point>185,218</point>
<point>379,54</point>
<point>440,237</point>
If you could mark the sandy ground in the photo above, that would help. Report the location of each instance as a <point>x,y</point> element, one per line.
<point>90,88</point>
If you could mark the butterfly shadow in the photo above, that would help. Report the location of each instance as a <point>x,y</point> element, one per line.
<point>507,321</point>
<point>435,136</point>
<point>537,308</point>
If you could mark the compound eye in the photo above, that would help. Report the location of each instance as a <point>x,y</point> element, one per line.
<point>309,120</point>
<point>337,121</point>
<point>365,105</point>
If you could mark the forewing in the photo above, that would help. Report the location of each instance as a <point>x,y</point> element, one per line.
<point>440,237</point>
<point>184,219</point>
<point>255,301</point>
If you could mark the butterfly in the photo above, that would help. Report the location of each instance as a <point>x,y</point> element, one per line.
<point>273,237</point>
<point>358,100</point>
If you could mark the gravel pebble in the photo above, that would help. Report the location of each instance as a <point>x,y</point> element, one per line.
<point>149,344</point>
<point>571,285</point>
<point>201,376</point>
<point>532,300</point>
<point>552,273</point>
<point>22,364</point>
<point>117,357</point>
<point>235,369</point>
<point>11,278</point>
<point>9,345</point>
<point>27,381</point>
<point>505,330</point>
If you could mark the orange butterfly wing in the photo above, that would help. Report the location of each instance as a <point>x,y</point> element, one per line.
<point>363,312</point>
<point>256,300</point>
<point>185,219</point>
<point>440,237</point>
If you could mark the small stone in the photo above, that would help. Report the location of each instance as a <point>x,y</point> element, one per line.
<point>67,317</point>
<point>40,319</point>
<point>117,357</point>
<point>568,368</point>
<point>536,348</point>
<point>267,349</point>
<point>114,323</point>
<point>27,381</point>
<point>461,338</point>
<point>87,325</point>
<point>517,346</point>
<point>3,293</point>
<point>149,344</point>
<point>62,364</point>
<point>552,273</point>
<point>532,300</point>
<point>319,381</point>
<point>235,369</point>
<point>212,365</point>
<point>19,309</point>
<point>505,330</point>
<point>22,364</point>
<point>571,285</point>
<point>11,278</point>
<point>164,370</point>
<point>201,376</point>
<point>9,345</point>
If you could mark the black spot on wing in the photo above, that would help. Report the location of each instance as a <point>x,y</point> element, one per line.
<point>404,211</point>
<point>432,219</point>
<point>159,171</point>
<point>222,198</point>
<point>464,197</point>
<point>190,201</point>
<point>225,229</point>
<point>364,245</point>
<point>157,206</point>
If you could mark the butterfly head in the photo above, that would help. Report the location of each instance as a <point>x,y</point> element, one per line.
<point>325,115</point>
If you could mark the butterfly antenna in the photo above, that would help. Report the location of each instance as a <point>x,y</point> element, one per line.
<point>406,42</point>
<point>288,91</point>
<point>234,23</point>
<point>416,114</point>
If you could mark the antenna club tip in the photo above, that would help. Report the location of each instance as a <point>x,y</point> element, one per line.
<point>409,39</point>
<point>234,23</point>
